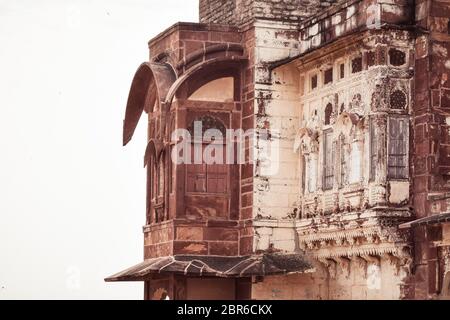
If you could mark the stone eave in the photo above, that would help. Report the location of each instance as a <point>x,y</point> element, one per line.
<point>376,212</point>
<point>336,45</point>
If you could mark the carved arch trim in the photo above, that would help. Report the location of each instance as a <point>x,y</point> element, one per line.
<point>305,137</point>
<point>154,149</point>
<point>346,122</point>
<point>203,53</point>
<point>205,72</point>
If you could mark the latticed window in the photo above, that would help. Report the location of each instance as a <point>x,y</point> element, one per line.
<point>398,100</point>
<point>206,177</point>
<point>343,161</point>
<point>371,58</point>
<point>398,148</point>
<point>154,174</point>
<point>173,171</point>
<point>373,151</point>
<point>303,164</point>
<point>161,176</point>
<point>328,76</point>
<point>328,157</point>
<point>357,65</point>
<point>207,122</point>
<point>396,57</point>
<point>314,82</point>
<point>342,71</point>
<point>196,178</point>
<point>328,113</point>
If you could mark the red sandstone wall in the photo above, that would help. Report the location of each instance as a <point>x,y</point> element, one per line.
<point>431,137</point>
<point>179,41</point>
<point>203,224</point>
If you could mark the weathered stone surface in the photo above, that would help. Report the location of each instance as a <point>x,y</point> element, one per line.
<point>351,106</point>
<point>244,11</point>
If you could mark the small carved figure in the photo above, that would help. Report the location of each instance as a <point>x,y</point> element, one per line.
<point>348,206</point>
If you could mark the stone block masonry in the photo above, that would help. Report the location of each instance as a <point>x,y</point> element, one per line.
<point>217,11</point>
<point>355,96</point>
<point>240,12</point>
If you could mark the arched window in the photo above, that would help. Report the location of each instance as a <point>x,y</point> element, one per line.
<point>356,160</point>
<point>172,173</point>
<point>206,123</point>
<point>309,146</point>
<point>161,176</point>
<point>328,159</point>
<point>398,148</point>
<point>153,214</point>
<point>172,164</point>
<point>150,192</point>
<point>208,170</point>
<point>343,161</point>
<point>328,114</point>
<point>157,189</point>
<point>154,189</point>
<point>303,168</point>
<point>373,149</point>
<point>311,168</point>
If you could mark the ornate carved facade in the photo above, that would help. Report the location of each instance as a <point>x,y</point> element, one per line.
<point>344,109</point>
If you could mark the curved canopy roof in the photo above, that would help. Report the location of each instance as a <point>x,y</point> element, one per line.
<point>217,266</point>
<point>150,84</point>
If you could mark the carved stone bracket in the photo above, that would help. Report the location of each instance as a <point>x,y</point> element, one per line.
<point>331,266</point>
<point>345,264</point>
<point>406,260</point>
<point>361,263</point>
<point>393,261</point>
<point>375,260</point>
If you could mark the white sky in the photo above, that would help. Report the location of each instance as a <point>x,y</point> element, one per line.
<point>72,199</point>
